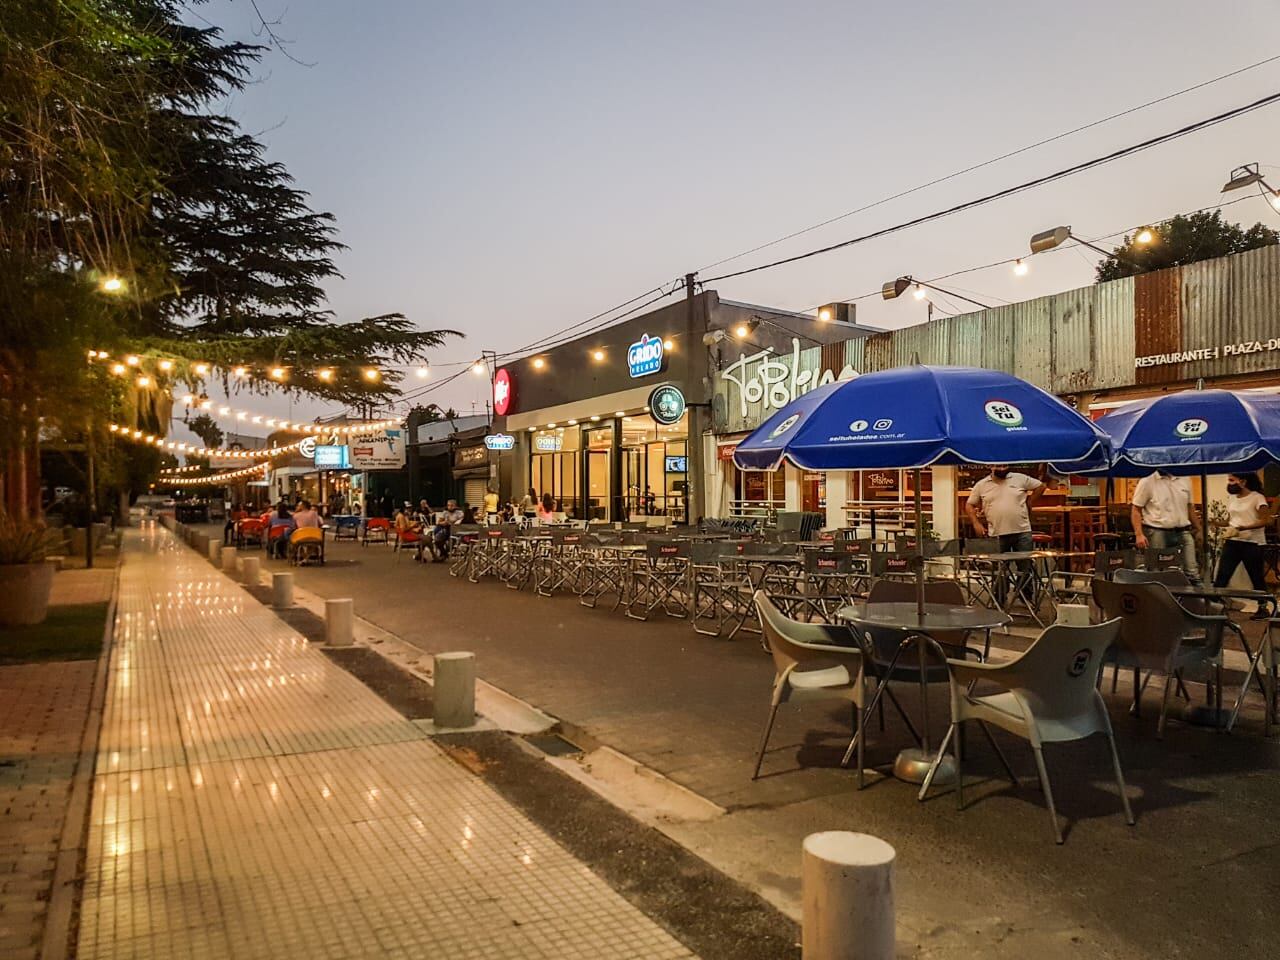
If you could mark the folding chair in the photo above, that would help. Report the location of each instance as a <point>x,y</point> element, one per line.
<point>720,590</point>
<point>658,579</point>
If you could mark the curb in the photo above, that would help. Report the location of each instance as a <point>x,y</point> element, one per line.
<point>65,890</point>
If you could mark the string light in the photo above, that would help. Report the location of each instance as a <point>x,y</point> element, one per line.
<point>424,372</point>
<point>372,374</point>
<point>1020,267</point>
<point>203,403</point>
<point>118,369</point>
<point>276,450</point>
<point>144,381</point>
<point>326,374</point>
<point>240,372</point>
<point>478,368</point>
<point>277,373</point>
<point>201,369</point>
<point>166,365</point>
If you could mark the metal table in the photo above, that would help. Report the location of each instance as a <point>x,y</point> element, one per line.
<point>913,765</point>
<point>1032,588</point>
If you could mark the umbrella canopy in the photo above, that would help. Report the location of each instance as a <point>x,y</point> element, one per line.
<point>918,416</point>
<point>1193,433</point>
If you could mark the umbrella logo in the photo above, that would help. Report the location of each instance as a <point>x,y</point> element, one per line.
<point>1192,428</point>
<point>1003,413</point>
<point>784,426</point>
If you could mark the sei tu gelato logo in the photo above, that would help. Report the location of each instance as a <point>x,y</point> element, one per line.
<point>1003,414</point>
<point>1193,428</point>
<point>784,426</point>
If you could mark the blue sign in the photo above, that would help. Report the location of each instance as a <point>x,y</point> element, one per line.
<point>645,356</point>
<point>666,404</point>
<point>500,441</point>
<point>546,442</point>
<point>333,457</point>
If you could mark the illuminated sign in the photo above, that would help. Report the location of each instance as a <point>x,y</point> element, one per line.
<point>333,457</point>
<point>666,404</point>
<point>307,446</point>
<point>504,392</point>
<point>500,441</point>
<point>547,442</point>
<point>645,356</point>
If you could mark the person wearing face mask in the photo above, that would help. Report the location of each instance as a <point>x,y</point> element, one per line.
<point>1005,499</point>
<point>1164,518</point>
<point>1245,533</point>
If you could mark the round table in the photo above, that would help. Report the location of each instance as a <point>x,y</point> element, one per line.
<point>913,765</point>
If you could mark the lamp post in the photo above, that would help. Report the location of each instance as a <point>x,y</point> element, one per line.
<point>1055,237</point>
<point>896,288</point>
<point>1248,176</point>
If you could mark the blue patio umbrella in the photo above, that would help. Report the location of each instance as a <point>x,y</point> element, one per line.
<point>918,416</point>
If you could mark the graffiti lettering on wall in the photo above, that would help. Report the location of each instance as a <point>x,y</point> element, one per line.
<point>774,380</point>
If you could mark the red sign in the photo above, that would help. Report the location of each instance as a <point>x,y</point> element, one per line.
<point>504,392</point>
<point>725,451</point>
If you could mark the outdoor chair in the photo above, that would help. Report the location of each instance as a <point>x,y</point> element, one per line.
<point>487,554</point>
<point>376,530</point>
<point>831,573</point>
<point>1072,587</point>
<point>1157,633</point>
<point>407,539</point>
<point>1048,694</point>
<point>720,589</point>
<point>306,545</point>
<point>1265,664</point>
<point>799,650</point>
<point>603,568</point>
<point>1162,558</point>
<point>558,565</point>
<point>250,532</point>
<point>659,578</point>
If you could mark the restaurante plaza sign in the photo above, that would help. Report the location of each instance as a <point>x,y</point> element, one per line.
<point>773,380</point>
<point>1208,353</point>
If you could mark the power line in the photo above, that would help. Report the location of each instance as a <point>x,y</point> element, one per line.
<point>1010,191</point>
<point>993,160</point>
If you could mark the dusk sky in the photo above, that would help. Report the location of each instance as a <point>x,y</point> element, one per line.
<point>510,168</point>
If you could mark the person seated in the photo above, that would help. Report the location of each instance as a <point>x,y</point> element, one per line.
<point>280,527</point>
<point>546,509</point>
<point>469,515</point>
<point>450,517</point>
<point>306,516</point>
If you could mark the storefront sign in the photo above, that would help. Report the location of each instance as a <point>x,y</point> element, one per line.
<point>546,442</point>
<point>500,441</point>
<point>1209,353</point>
<point>774,381</point>
<point>504,392</point>
<point>332,457</point>
<point>725,451</point>
<point>307,446</point>
<point>666,404</point>
<point>470,457</point>
<point>645,356</point>
<point>378,450</point>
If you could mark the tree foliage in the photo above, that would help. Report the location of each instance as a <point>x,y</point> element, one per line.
<point>1186,238</point>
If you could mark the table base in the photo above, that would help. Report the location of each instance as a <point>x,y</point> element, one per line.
<point>1200,715</point>
<point>912,766</point>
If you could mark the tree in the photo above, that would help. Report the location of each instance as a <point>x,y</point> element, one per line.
<point>207,429</point>
<point>1186,238</point>
<point>432,413</point>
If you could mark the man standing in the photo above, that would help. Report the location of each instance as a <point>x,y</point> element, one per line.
<point>1006,500</point>
<point>1164,518</point>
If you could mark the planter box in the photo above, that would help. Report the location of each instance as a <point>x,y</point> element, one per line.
<point>24,593</point>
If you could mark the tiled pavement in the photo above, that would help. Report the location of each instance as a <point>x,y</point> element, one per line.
<point>42,717</point>
<point>254,800</point>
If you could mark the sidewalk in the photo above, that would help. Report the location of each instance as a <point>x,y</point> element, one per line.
<point>254,800</point>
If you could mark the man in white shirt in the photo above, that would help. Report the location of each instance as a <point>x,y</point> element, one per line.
<point>1004,500</point>
<point>1164,518</point>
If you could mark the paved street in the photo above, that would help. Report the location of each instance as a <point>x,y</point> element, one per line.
<point>254,800</point>
<point>692,707</point>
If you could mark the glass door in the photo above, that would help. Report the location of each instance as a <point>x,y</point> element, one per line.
<point>599,464</point>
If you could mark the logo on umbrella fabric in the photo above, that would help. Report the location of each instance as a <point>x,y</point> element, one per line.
<point>1192,428</point>
<point>784,426</point>
<point>1003,413</point>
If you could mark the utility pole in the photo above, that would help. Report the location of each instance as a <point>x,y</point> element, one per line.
<point>697,378</point>
<point>93,503</point>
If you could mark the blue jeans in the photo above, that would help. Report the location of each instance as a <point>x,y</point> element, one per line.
<point>1170,539</point>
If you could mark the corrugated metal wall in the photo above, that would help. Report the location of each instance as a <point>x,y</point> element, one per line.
<point>1087,339</point>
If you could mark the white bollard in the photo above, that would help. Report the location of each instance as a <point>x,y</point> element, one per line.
<point>454,690</point>
<point>1073,614</point>
<point>281,590</point>
<point>339,622</point>
<point>847,894</point>
<point>251,571</point>
<point>215,552</point>
<point>229,560</point>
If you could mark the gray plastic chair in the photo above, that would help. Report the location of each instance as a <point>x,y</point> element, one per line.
<point>792,645</point>
<point>1158,633</point>
<point>1048,695</point>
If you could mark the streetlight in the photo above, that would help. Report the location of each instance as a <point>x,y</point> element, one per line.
<point>1248,176</point>
<point>1048,239</point>
<point>896,288</point>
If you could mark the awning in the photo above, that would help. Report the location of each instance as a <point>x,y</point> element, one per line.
<point>471,473</point>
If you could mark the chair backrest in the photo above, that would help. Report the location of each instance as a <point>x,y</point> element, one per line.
<point>1172,577</point>
<point>1057,674</point>
<point>893,564</point>
<point>377,523</point>
<point>767,549</point>
<point>1162,558</point>
<point>787,638</point>
<point>607,537</point>
<point>1107,562</point>
<point>705,552</point>
<point>1152,622</point>
<point>822,562</point>
<point>854,546</point>
<point>902,591</point>
<point>251,526</point>
<point>981,545</point>
<point>656,549</point>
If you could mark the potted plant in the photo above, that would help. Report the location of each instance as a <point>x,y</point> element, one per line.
<point>25,575</point>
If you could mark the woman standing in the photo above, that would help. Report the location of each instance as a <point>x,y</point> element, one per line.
<point>1248,516</point>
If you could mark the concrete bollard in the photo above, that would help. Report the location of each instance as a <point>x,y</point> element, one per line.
<point>847,894</point>
<point>200,544</point>
<point>251,571</point>
<point>1073,614</point>
<point>215,552</point>
<point>281,590</point>
<point>339,622</point>
<point>229,560</point>
<point>454,690</point>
